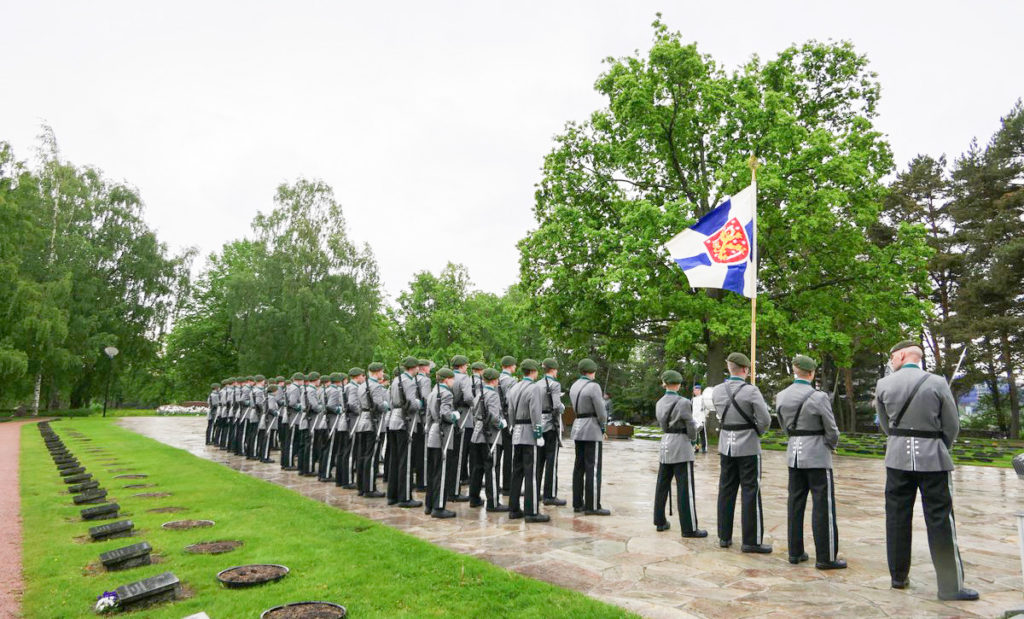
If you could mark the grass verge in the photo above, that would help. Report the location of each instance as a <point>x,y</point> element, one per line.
<point>335,556</point>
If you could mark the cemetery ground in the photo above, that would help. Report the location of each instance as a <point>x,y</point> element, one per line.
<point>372,569</point>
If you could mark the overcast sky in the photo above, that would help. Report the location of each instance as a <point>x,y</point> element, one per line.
<point>429,119</point>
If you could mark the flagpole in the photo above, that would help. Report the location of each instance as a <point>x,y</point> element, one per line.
<point>753,301</point>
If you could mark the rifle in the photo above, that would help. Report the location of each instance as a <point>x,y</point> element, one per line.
<point>957,369</point>
<point>556,417</point>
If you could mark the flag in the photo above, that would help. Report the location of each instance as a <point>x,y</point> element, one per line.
<point>719,251</point>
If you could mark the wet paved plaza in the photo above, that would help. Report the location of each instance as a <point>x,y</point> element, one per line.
<point>621,559</point>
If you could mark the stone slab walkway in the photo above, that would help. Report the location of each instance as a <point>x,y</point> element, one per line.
<point>622,559</point>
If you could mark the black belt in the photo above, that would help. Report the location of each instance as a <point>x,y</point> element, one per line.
<point>586,415</point>
<point>805,432</point>
<point>523,421</point>
<point>675,431</point>
<point>738,426</point>
<point>916,433</point>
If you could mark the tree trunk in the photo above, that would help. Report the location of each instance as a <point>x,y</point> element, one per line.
<point>993,385</point>
<point>35,394</point>
<point>851,408</point>
<point>1012,379</point>
<point>716,361</point>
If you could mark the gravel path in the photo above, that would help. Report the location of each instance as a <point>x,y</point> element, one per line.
<point>11,584</point>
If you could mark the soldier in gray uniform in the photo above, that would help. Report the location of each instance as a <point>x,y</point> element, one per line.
<point>806,415</point>
<point>916,410</point>
<point>257,432</point>
<point>211,416</point>
<point>405,411</point>
<point>348,410</point>
<point>675,457</point>
<point>295,401</point>
<point>745,417</point>
<point>588,434</point>
<point>334,414</point>
<point>223,403</point>
<point>373,405</point>
<point>551,409</point>
<point>419,435</point>
<point>503,454</point>
<point>245,418</point>
<point>462,390</point>
<point>442,430</point>
<point>527,424</point>
<point>307,422</point>
<point>269,423</point>
<point>487,426</point>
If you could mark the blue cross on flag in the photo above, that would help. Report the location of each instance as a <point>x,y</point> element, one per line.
<point>719,251</point>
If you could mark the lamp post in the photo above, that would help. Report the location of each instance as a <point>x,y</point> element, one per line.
<point>110,352</point>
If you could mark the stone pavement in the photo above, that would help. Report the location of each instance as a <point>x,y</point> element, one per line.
<point>621,559</point>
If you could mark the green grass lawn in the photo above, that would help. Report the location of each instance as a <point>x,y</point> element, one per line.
<point>335,556</point>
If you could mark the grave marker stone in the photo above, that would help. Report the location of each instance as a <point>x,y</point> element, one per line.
<point>121,528</point>
<point>77,479</point>
<point>90,496</point>
<point>89,485</point>
<point>108,510</point>
<point>74,471</point>
<point>148,591</point>
<point>127,557</point>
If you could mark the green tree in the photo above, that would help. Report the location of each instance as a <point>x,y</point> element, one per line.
<point>674,140</point>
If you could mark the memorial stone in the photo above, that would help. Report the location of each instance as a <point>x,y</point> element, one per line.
<point>127,557</point>
<point>148,591</point>
<point>75,471</point>
<point>90,496</point>
<point>63,466</point>
<point>89,485</point>
<point>108,510</point>
<point>121,528</point>
<point>77,479</point>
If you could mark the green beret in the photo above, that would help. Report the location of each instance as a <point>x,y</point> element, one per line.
<point>376,366</point>
<point>508,361</point>
<point>215,386</point>
<point>410,362</point>
<point>259,378</point>
<point>459,360</point>
<point>287,382</point>
<point>425,362</point>
<point>356,372</point>
<point>550,364</point>
<point>739,359</point>
<point>444,373</point>
<point>225,382</point>
<point>805,363</point>
<point>671,377</point>
<point>334,377</point>
<point>478,365</point>
<point>279,379</point>
<point>394,372</point>
<point>313,376</point>
<point>272,388</point>
<point>529,365</point>
<point>249,379</point>
<point>587,366</point>
<point>491,374</point>
<point>902,345</point>
<point>298,376</point>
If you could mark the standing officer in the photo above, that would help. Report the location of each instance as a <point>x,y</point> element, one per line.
<point>526,436</point>
<point>442,430</point>
<point>806,415</point>
<point>419,437</point>
<point>503,454</point>
<point>295,399</point>
<point>211,415</point>
<point>403,419</point>
<point>917,412</point>
<point>699,418</point>
<point>312,409</point>
<point>588,433</point>
<point>462,390</point>
<point>373,405</point>
<point>269,424</point>
<point>487,426</point>
<point>344,436</point>
<point>550,394</point>
<point>744,419</point>
<point>257,431</point>
<point>675,458</point>
<point>334,414</point>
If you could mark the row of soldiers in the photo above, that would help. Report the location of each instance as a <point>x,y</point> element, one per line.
<point>916,411</point>
<point>476,426</point>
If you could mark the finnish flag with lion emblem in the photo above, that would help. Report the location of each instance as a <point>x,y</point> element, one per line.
<point>719,250</point>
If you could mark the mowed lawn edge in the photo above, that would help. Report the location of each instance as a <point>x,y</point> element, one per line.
<point>370,568</point>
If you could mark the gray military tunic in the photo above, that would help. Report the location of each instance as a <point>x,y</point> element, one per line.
<point>738,443</point>
<point>336,418</point>
<point>462,390</point>
<point>591,415</point>
<point>550,402</point>
<point>813,451</point>
<point>424,384</point>
<point>352,403</point>
<point>676,420</point>
<point>439,410</point>
<point>488,416</point>
<point>295,397</point>
<point>525,407</point>
<point>212,403</point>
<point>314,407</point>
<point>259,403</point>
<point>403,416</point>
<point>249,412</point>
<point>932,410</point>
<point>374,404</point>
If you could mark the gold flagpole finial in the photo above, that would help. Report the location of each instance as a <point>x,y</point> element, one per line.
<point>753,164</point>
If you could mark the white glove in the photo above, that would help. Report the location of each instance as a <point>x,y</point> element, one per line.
<point>540,442</point>
<point>456,416</point>
<point>502,424</point>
